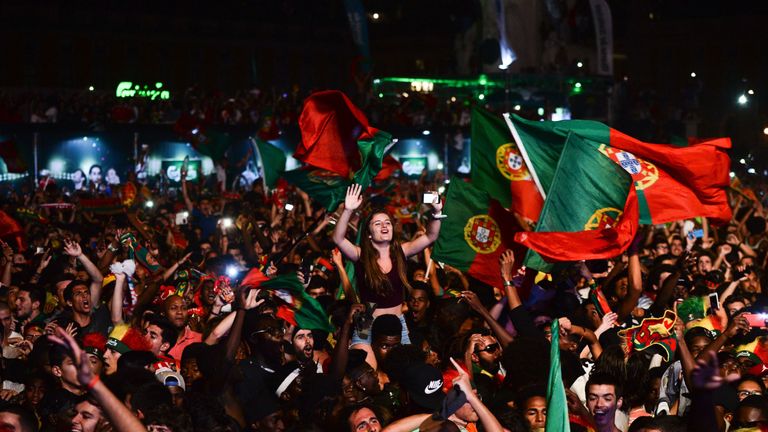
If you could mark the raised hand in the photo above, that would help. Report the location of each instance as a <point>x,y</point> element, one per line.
<point>354,199</point>
<point>507,263</point>
<point>72,249</point>
<point>79,357</point>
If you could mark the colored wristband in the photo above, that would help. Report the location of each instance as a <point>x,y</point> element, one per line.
<point>95,380</point>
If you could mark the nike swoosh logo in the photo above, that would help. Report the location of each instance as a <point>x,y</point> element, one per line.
<point>433,387</point>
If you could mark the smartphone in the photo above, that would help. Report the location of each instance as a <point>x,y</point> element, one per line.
<point>699,233</point>
<point>714,301</point>
<point>39,251</point>
<point>289,207</point>
<point>755,320</point>
<point>429,197</point>
<point>181,218</point>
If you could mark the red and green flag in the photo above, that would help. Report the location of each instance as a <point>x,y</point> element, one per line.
<point>672,183</point>
<point>590,211</point>
<point>693,308</point>
<point>475,233</point>
<point>211,143</point>
<point>389,166</point>
<point>9,226</point>
<point>10,154</point>
<point>651,332</point>
<point>499,168</point>
<point>331,127</point>
<point>328,187</point>
<point>272,161</point>
<point>300,308</point>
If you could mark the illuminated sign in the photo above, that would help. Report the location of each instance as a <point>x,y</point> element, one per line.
<point>172,170</point>
<point>413,165</point>
<point>129,89</point>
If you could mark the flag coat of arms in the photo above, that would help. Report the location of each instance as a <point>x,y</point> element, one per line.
<point>498,166</point>
<point>475,234</point>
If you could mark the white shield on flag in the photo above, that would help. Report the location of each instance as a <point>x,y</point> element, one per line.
<point>482,234</point>
<point>629,162</point>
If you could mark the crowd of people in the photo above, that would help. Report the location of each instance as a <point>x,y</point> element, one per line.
<point>143,320</point>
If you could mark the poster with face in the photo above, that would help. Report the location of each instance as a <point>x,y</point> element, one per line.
<point>112,177</point>
<point>94,174</point>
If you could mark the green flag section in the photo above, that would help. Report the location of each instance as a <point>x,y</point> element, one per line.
<point>557,406</point>
<point>475,233</point>
<point>498,167</point>
<point>588,192</point>
<point>693,308</point>
<point>329,188</point>
<point>272,161</point>
<point>672,183</point>
<point>323,186</point>
<point>300,309</point>
<point>211,143</point>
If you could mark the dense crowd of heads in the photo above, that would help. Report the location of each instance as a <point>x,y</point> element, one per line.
<point>135,318</point>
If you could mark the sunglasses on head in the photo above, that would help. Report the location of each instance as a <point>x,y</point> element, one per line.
<point>489,348</point>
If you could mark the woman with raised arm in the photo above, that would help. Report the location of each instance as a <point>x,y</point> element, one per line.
<point>380,258</point>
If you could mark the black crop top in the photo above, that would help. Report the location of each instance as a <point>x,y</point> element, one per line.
<point>394,297</point>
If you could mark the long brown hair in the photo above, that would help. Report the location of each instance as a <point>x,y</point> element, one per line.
<point>374,277</point>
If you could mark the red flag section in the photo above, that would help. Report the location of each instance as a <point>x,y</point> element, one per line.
<point>388,167</point>
<point>485,267</point>
<point>330,127</point>
<point>680,182</point>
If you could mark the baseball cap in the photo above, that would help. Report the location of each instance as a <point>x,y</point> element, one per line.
<point>424,384</point>
<point>170,378</point>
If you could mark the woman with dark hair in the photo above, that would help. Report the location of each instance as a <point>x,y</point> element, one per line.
<point>380,258</point>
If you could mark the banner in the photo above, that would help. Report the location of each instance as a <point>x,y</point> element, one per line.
<point>358,25</point>
<point>601,16</point>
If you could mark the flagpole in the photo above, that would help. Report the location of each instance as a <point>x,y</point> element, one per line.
<point>261,162</point>
<point>520,146</point>
<point>34,153</point>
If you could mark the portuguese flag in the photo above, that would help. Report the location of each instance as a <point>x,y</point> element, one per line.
<point>498,167</point>
<point>329,188</point>
<point>272,161</point>
<point>331,130</point>
<point>590,211</point>
<point>557,404</point>
<point>300,309</point>
<point>652,331</point>
<point>475,234</point>
<point>672,183</point>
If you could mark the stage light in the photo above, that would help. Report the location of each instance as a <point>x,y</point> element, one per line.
<point>453,98</point>
<point>425,132</point>
<point>440,165</point>
<point>90,88</point>
<point>577,85</point>
<point>750,91</point>
<point>742,100</point>
<point>195,131</point>
<point>751,170</point>
<point>481,96</point>
<point>57,166</point>
<point>405,94</point>
<point>375,16</point>
<point>579,65</point>
<point>149,204</point>
<point>765,131</point>
<point>540,111</point>
<point>693,74</point>
<point>733,174</point>
<point>381,95</point>
<point>742,161</point>
<point>518,107</point>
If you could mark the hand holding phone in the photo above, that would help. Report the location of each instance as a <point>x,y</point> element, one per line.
<point>429,197</point>
<point>756,320</point>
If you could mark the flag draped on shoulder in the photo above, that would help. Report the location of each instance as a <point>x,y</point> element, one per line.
<point>475,233</point>
<point>300,308</point>
<point>557,406</point>
<point>272,161</point>
<point>671,182</point>
<point>498,167</point>
<point>590,211</point>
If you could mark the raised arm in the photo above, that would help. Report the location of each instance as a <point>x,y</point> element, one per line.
<point>185,193</point>
<point>352,201</point>
<point>501,334</point>
<point>635,286</point>
<point>121,418</point>
<point>7,264</point>
<point>117,299</point>
<point>73,249</point>
<point>489,422</point>
<point>420,243</point>
<point>346,284</point>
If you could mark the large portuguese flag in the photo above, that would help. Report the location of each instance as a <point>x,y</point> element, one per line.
<point>498,167</point>
<point>272,161</point>
<point>475,233</point>
<point>590,211</point>
<point>672,182</point>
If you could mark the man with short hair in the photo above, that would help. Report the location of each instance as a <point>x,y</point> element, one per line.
<point>604,398</point>
<point>386,333</point>
<point>363,418</point>
<point>161,335</point>
<point>17,419</point>
<point>29,302</point>
<point>88,416</point>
